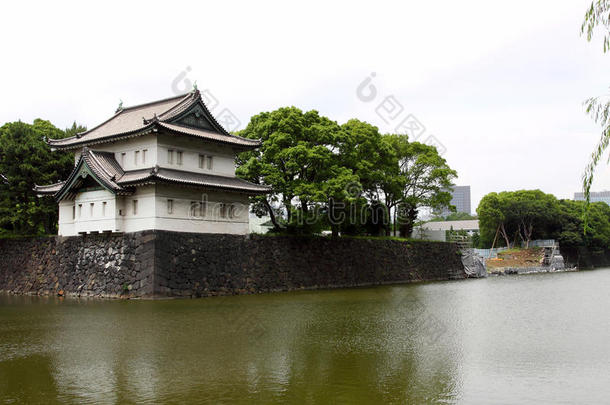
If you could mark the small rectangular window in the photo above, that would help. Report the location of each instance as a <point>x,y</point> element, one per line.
<point>198,209</point>
<point>123,159</point>
<point>170,156</point>
<point>203,206</point>
<point>104,209</point>
<point>136,157</point>
<point>135,207</point>
<point>80,210</point>
<point>179,157</point>
<point>170,206</point>
<point>144,151</point>
<point>210,163</point>
<point>73,212</point>
<point>223,210</point>
<point>91,205</point>
<point>201,161</point>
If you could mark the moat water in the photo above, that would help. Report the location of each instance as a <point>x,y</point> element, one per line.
<point>517,339</point>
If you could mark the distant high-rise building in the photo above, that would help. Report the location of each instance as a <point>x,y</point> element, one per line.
<point>460,199</point>
<point>603,196</point>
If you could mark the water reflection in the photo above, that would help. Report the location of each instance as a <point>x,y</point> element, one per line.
<point>436,342</point>
<point>28,380</point>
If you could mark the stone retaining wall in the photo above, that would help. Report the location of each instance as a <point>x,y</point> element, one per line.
<point>98,265</point>
<point>170,264</point>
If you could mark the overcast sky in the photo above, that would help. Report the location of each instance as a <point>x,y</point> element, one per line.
<point>500,84</point>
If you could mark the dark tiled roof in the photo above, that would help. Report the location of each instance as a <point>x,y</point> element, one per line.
<point>49,189</point>
<point>201,133</point>
<point>190,178</point>
<point>110,175</point>
<point>144,118</point>
<point>135,176</point>
<point>104,168</point>
<point>125,121</point>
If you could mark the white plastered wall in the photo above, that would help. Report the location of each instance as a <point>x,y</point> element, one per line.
<point>152,200</point>
<point>90,211</point>
<point>143,217</point>
<point>145,145</point>
<point>194,210</point>
<point>191,148</point>
<point>156,146</point>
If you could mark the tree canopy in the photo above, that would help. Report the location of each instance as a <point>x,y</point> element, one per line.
<point>347,177</point>
<point>26,160</point>
<point>298,159</point>
<point>508,218</point>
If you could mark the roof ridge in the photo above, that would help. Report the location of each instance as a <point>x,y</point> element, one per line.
<point>223,130</point>
<point>102,152</point>
<point>133,107</point>
<point>194,97</point>
<point>150,169</point>
<point>197,98</point>
<point>212,175</point>
<point>84,160</point>
<point>169,125</point>
<point>146,176</point>
<point>136,120</point>
<point>156,102</point>
<point>98,163</point>
<point>206,174</point>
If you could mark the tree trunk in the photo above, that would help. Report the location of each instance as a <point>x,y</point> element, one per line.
<point>388,230</point>
<point>526,236</point>
<point>505,235</point>
<point>276,226</point>
<point>528,233</point>
<point>522,234</point>
<point>406,226</point>
<point>493,244</point>
<point>288,207</point>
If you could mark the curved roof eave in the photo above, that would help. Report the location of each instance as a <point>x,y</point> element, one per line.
<point>166,111</point>
<point>78,169</point>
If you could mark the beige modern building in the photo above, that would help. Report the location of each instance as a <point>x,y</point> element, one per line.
<point>166,165</point>
<point>437,230</point>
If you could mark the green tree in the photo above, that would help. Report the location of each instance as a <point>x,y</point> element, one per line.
<point>26,160</point>
<point>347,177</point>
<point>493,219</point>
<point>570,230</point>
<point>365,151</point>
<point>424,176</point>
<point>372,158</point>
<point>298,159</point>
<point>597,16</point>
<point>533,212</point>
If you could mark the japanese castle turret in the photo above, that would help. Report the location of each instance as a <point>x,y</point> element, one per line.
<point>166,165</point>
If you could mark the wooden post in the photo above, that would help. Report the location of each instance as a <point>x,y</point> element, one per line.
<point>494,242</point>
